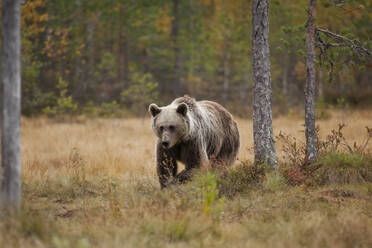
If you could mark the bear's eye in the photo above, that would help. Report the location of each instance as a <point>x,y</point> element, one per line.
<point>161,128</point>
<point>171,128</point>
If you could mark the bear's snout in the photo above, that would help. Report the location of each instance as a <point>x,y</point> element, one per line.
<point>166,140</point>
<point>165,144</point>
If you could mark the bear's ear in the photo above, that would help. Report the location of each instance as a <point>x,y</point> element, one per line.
<point>182,109</point>
<point>154,110</point>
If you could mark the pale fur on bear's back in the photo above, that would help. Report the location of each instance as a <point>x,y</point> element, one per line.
<point>215,126</point>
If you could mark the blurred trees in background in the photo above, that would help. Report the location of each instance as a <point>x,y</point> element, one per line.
<point>125,53</point>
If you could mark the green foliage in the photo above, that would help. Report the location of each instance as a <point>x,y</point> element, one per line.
<point>274,181</point>
<point>90,110</point>
<point>64,105</point>
<point>104,40</point>
<point>342,168</point>
<point>109,109</point>
<point>34,100</point>
<point>177,230</point>
<point>322,109</point>
<point>342,103</point>
<point>141,93</point>
<point>106,67</point>
<point>207,189</point>
<point>105,110</point>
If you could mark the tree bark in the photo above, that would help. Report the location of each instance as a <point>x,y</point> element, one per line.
<point>11,112</point>
<point>262,111</point>
<point>226,75</point>
<point>123,56</point>
<point>310,130</point>
<point>285,74</point>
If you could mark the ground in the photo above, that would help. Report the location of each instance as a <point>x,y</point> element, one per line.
<point>92,183</point>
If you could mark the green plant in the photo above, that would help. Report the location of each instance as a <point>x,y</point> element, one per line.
<point>90,110</point>
<point>141,93</point>
<point>207,189</point>
<point>109,109</point>
<point>322,109</point>
<point>274,181</point>
<point>342,168</point>
<point>64,104</point>
<point>342,103</point>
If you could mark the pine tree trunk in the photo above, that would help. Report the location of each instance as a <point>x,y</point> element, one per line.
<point>262,112</point>
<point>310,130</point>
<point>285,75</point>
<point>176,50</point>
<point>226,75</point>
<point>10,129</point>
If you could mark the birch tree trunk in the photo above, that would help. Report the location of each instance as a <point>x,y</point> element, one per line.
<point>310,130</point>
<point>262,112</point>
<point>10,128</point>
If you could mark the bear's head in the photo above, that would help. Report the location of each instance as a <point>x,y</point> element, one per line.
<point>170,123</point>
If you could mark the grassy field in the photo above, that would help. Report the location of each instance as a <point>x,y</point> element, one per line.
<point>92,183</point>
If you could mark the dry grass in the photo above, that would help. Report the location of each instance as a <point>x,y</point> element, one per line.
<point>93,183</point>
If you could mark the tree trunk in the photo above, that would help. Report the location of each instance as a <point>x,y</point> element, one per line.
<point>10,129</point>
<point>177,59</point>
<point>226,75</point>
<point>262,112</point>
<point>90,55</point>
<point>310,130</point>
<point>126,75</point>
<point>285,75</point>
<point>123,56</point>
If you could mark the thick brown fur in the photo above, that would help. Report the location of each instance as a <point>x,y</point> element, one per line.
<point>193,133</point>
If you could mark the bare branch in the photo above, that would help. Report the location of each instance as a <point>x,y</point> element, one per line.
<point>344,41</point>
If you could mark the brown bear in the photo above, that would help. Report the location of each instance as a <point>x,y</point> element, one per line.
<point>192,132</point>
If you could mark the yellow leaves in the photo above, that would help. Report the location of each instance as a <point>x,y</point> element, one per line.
<point>32,18</point>
<point>57,43</point>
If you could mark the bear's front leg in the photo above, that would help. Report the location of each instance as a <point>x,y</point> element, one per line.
<point>166,164</point>
<point>194,157</point>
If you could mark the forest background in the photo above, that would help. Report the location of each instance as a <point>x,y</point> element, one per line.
<point>113,58</point>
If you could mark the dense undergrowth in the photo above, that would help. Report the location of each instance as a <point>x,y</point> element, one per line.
<point>324,204</point>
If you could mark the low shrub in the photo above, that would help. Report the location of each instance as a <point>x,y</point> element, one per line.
<point>342,168</point>
<point>338,161</point>
<point>239,179</point>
